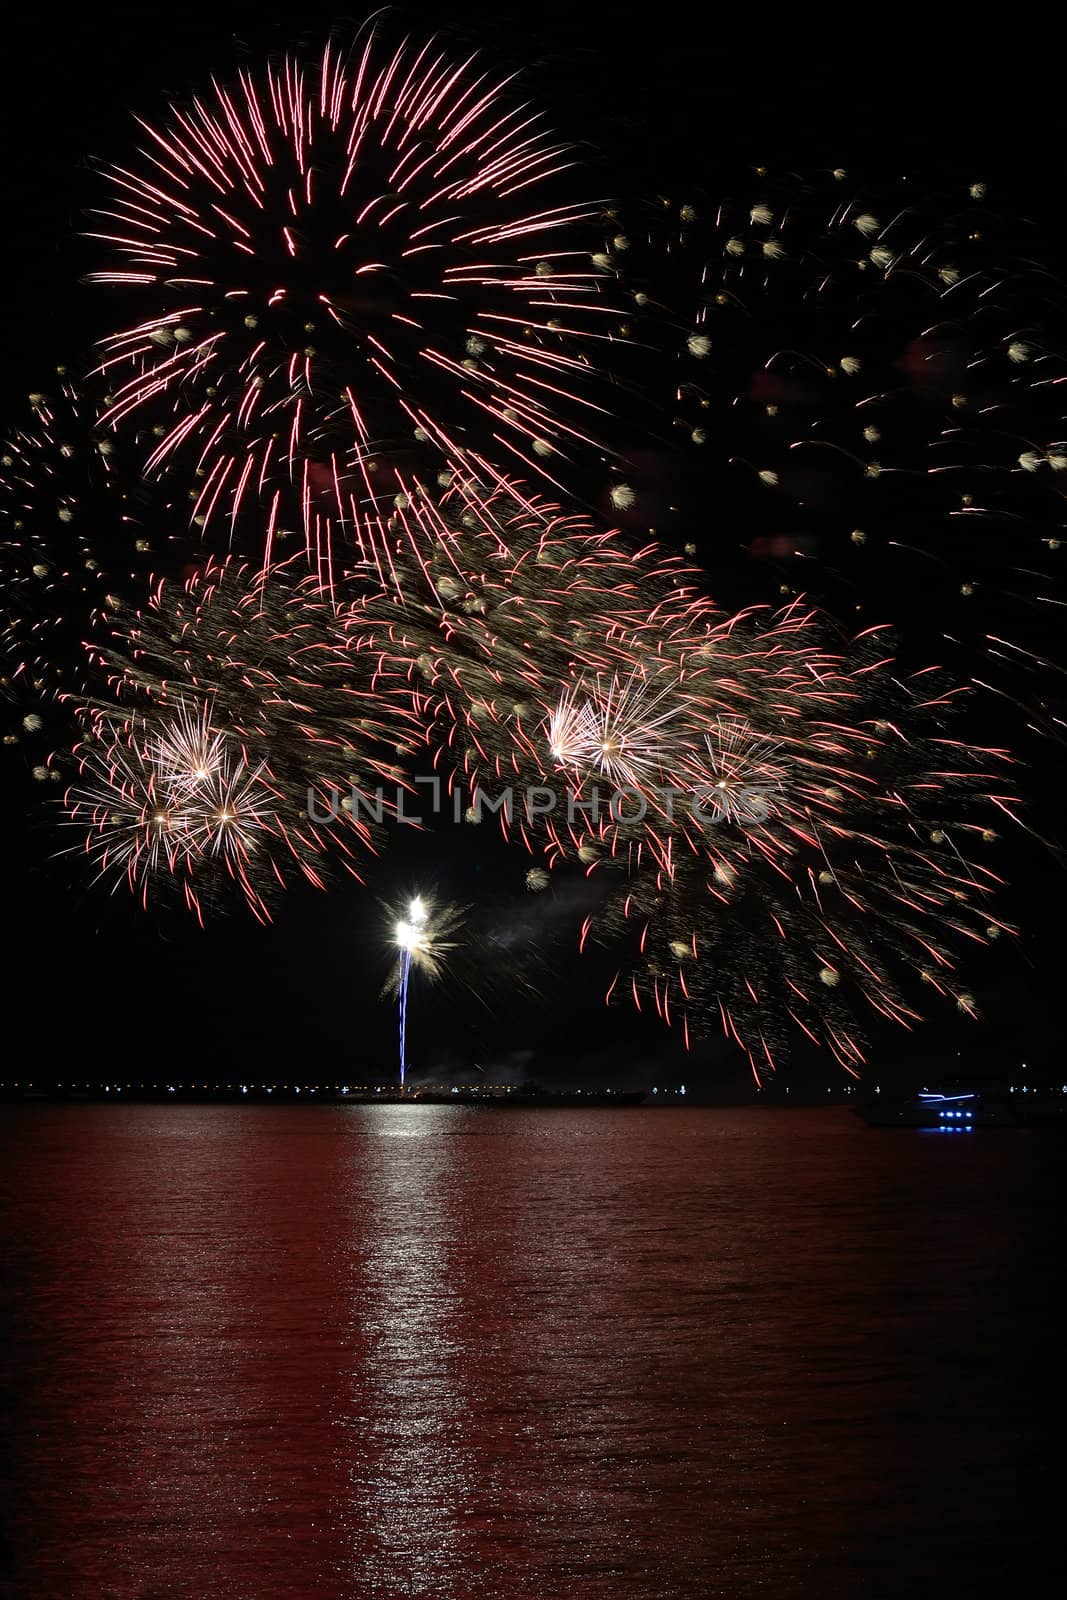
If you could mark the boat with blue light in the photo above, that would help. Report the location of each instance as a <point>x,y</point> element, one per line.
<point>953,1111</point>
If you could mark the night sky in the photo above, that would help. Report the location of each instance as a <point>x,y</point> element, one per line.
<point>659,96</point>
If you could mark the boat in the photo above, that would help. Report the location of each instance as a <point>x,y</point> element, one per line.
<point>941,1111</point>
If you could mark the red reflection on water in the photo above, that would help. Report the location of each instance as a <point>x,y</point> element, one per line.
<point>277,1353</point>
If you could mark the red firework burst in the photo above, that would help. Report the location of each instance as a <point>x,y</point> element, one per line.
<point>343,269</point>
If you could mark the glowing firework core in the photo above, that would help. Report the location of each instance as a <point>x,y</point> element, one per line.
<point>421,937</point>
<point>409,931</point>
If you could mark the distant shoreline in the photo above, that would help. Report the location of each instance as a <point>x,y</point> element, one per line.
<point>309,1095</point>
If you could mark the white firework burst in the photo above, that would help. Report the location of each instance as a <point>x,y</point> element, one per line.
<point>232,812</point>
<point>189,753</point>
<point>740,776</point>
<point>153,800</point>
<point>620,728</point>
<point>424,932</point>
<point>133,826</point>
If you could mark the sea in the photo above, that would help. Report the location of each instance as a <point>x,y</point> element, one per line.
<point>475,1353</point>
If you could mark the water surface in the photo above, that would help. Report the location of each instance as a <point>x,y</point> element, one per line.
<point>271,1353</point>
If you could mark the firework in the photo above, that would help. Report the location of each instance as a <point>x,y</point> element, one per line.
<point>357,290</point>
<point>872,379</point>
<point>231,661</point>
<point>507,611</point>
<point>619,729</point>
<point>349,275</point>
<point>812,846</point>
<point>79,538</point>
<point>797,842</point>
<point>423,933</point>
<point>789,826</point>
<point>740,774</point>
<point>822,863</point>
<point>171,801</point>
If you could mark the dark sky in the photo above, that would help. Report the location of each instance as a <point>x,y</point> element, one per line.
<point>657,94</point>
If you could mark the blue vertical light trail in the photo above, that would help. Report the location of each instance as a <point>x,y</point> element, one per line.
<point>402,1003</point>
<point>410,935</point>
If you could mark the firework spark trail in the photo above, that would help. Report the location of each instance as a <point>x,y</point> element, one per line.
<point>423,933</point>
<point>170,800</point>
<point>826,852</point>
<point>856,865</point>
<point>79,540</point>
<point>402,1004</point>
<point>232,660</point>
<point>342,266</point>
<point>619,728</point>
<point>831,814</point>
<point>834,867</point>
<point>739,773</point>
<point>874,379</point>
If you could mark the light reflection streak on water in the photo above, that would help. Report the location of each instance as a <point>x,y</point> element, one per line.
<point>410,1473</point>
